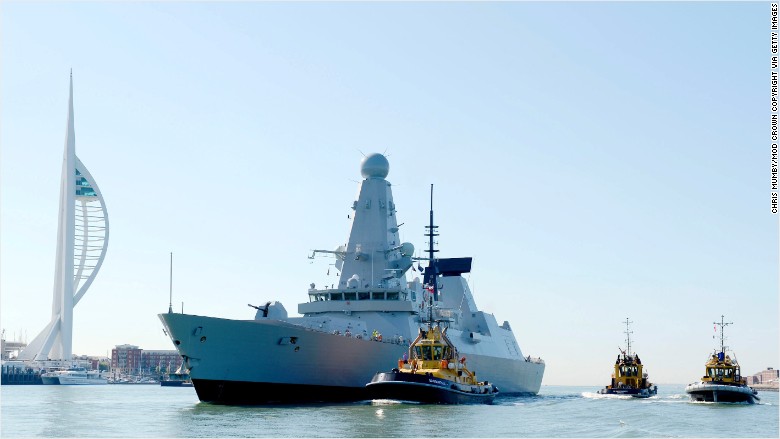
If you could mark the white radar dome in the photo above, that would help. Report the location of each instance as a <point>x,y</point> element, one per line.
<point>374,165</point>
<point>407,249</point>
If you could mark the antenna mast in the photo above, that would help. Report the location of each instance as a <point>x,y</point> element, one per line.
<point>628,337</point>
<point>722,325</point>
<point>170,288</point>
<point>432,266</point>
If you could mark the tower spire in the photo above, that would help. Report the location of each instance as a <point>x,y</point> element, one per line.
<point>66,234</point>
<point>81,247</point>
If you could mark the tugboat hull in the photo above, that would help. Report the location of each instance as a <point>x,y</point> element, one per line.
<point>175,383</point>
<point>706,392</point>
<point>427,389</point>
<point>636,393</point>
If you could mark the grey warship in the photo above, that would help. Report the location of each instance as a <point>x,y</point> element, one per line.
<point>350,331</point>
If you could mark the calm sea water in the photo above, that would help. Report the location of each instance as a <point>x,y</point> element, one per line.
<point>153,411</point>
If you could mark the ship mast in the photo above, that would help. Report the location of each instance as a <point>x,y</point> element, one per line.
<point>432,266</point>
<point>628,337</point>
<point>722,325</point>
<point>170,289</point>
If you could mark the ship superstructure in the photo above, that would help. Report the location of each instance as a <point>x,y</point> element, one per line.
<point>354,328</point>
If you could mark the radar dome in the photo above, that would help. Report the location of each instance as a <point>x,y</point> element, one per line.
<point>374,165</point>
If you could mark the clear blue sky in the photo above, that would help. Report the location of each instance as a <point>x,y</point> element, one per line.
<point>598,160</point>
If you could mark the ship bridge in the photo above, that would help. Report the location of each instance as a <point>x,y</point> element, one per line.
<point>350,300</point>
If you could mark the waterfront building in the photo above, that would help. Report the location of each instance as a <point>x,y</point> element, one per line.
<point>160,361</point>
<point>10,349</point>
<point>132,360</point>
<point>764,377</point>
<point>82,240</point>
<point>126,358</point>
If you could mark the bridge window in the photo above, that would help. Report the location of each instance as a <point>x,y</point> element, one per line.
<point>426,352</point>
<point>363,296</point>
<point>437,353</point>
<point>392,295</point>
<point>377,296</point>
<point>349,296</point>
<point>336,296</point>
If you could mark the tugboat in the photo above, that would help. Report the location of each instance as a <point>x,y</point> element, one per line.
<point>722,381</point>
<point>431,373</point>
<point>628,378</point>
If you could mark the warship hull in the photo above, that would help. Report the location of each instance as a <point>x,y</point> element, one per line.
<point>273,361</point>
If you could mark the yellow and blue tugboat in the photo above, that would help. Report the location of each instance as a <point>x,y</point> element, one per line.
<point>722,381</point>
<point>432,373</point>
<point>629,377</point>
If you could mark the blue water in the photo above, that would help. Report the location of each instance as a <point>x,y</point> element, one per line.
<point>153,411</point>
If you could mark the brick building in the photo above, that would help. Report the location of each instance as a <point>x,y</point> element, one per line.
<point>132,360</point>
<point>160,362</point>
<point>764,377</point>
<point>126,358</point>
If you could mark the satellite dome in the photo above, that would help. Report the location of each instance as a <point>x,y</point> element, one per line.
<point>374,165</point>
